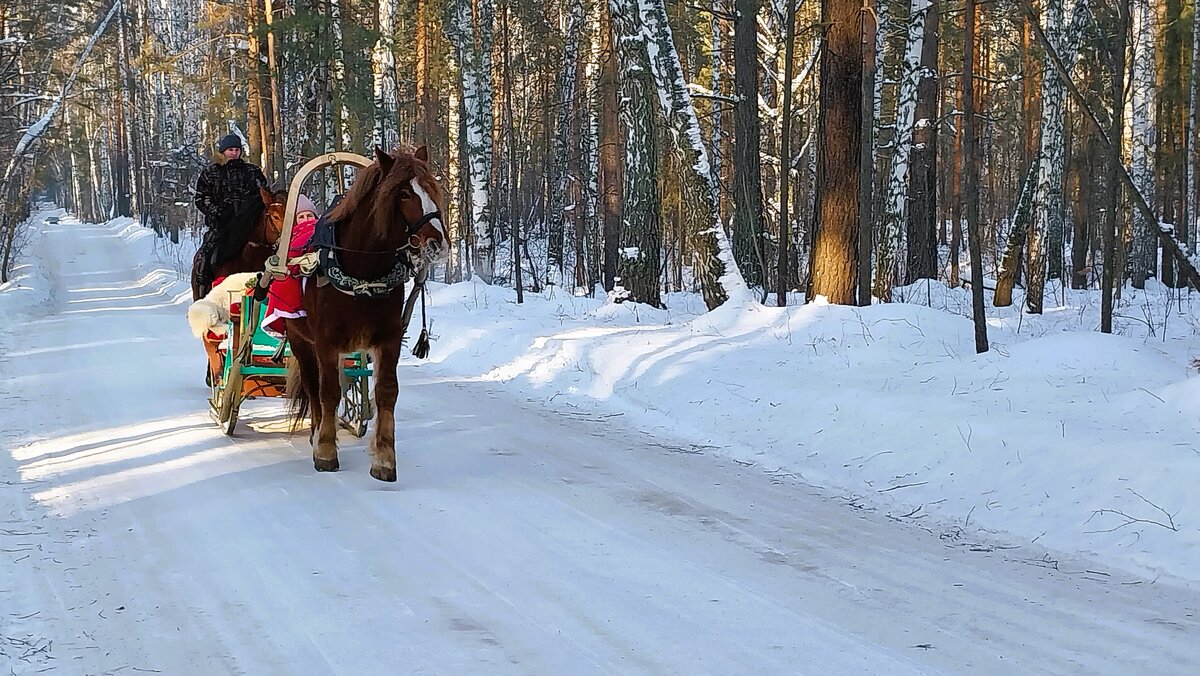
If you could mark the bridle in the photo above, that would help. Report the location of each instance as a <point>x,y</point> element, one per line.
<point>272,231</point>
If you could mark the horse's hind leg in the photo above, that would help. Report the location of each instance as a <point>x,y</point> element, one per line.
<point>383,442</point>
<point>325,455</point>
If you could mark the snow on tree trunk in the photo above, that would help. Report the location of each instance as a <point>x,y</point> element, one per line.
<point>639,254</point>
<point>713,264</point>
<point>1142,85</point>
<point>888,242</point>
<point>1018,233</point>
<point>1047,195</point>
<point>472,37</point>
<point>383,80</point>
<point>562,140</point>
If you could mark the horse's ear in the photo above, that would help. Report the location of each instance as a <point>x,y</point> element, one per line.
<point>385,161</point>
<point>265,194</point>
<point>422,154</point>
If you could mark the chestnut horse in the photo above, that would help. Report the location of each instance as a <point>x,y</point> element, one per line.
<point>388,227</point>
<point>249,240</point>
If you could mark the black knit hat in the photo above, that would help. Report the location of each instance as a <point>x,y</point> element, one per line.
<point>230,141</point>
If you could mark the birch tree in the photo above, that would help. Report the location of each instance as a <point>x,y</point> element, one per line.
<point>713,263</point>
<point>641,235</point>
<point>1038,214</point>
<point>471,33</point>
<point>889,242</point>
<point>1142,85</point>
<point>1047,197</point>
<point>383,76</point>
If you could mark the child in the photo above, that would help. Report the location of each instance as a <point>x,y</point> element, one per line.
<point>285,298</point>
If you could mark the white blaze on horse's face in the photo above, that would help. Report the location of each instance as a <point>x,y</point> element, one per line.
<point>428,206</point>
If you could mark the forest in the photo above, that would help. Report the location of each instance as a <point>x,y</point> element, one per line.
<point>746,148</point>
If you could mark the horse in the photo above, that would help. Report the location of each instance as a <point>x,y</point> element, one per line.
<point>249,240</point>
<point>390,219</point>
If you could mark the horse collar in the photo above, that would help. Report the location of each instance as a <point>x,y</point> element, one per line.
<point>324,242</point>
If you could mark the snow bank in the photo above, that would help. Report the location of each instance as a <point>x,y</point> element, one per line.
<point>29,285</point>
<point>1081,441</point>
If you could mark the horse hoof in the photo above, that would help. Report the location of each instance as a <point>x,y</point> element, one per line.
<point>325,465</point>
<point>384,473</point>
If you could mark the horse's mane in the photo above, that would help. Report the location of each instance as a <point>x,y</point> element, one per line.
<point>371,188</point>
<point>239,228</point>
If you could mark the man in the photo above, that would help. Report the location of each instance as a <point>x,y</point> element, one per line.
<point>221,191</point>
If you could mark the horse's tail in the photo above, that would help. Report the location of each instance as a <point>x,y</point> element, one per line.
<point>297,394</point>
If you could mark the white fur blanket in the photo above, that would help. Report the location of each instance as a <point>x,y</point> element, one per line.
<point>211,313</point>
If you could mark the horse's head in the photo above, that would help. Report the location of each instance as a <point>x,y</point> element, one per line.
<point>271,220</point>
<point>410,195</point>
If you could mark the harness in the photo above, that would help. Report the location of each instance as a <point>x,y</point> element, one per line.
<point>324,245</point>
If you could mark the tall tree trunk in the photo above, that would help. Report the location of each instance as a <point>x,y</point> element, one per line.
<point>783,267</point>
<point>562,141</point>
<point>1172,125</point>
<point>1191,204</point>
<point>1082,185</point>
<point>748,247</point>
<point>867,150</point>
<point>472,36</point>
<point>971,181</point>
<point>278,166</point>
<point>514,222</point>
<point>1112,197</point>
<point>1018,233</point>
<point>716,69</point>
<point>835,245</point>
<point>641,233</point>
<point>611,154</point>
<point>956,209</point>
<point>383,77</point>
<point>713,263</point>
<point>922,188</point>
<point>1047,196</point>
<point>888,243</point>
<point>1145,33</point>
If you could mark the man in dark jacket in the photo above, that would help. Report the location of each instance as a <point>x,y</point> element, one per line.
<point>221,191</point>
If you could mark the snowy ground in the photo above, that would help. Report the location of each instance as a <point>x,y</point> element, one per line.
<point>589,488</point>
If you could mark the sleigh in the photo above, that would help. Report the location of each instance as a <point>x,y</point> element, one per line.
<point>254,363</point>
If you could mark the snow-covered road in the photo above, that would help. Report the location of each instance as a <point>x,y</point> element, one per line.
<point>134,536</point>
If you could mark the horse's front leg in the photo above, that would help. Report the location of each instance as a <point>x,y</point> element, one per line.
<point>383,442</point>
<point>325,455</point>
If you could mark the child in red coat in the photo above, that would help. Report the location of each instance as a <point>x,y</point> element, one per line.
<point>285,297</point>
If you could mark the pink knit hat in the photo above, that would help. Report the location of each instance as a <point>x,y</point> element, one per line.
<point>303,204</point>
